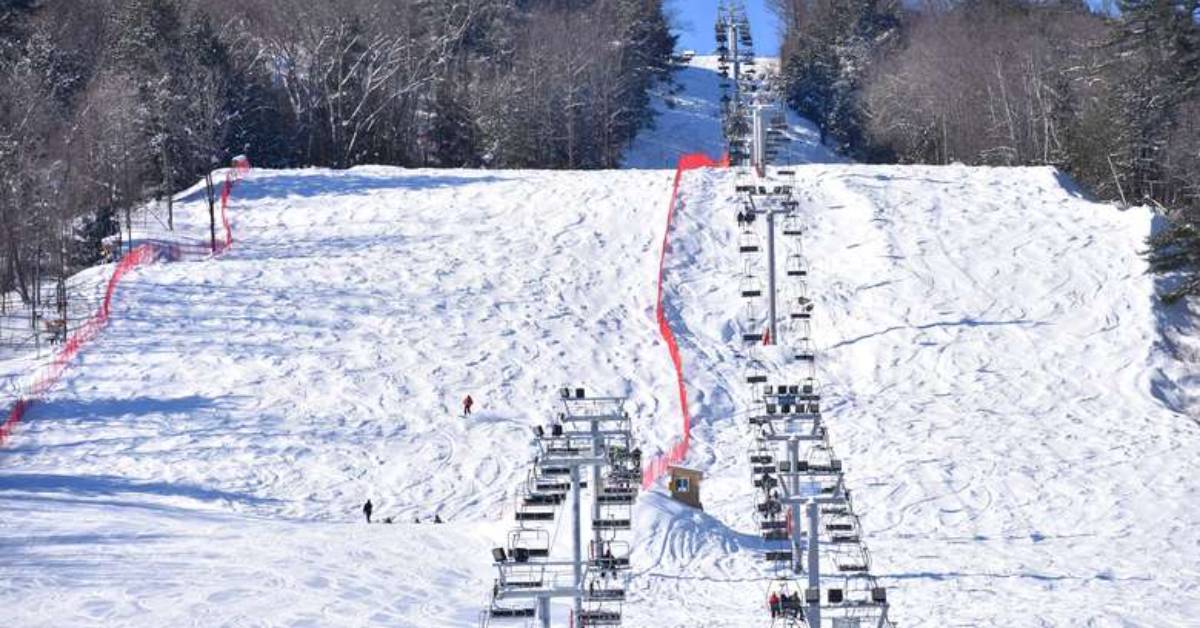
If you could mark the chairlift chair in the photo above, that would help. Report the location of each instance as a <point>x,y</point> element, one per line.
<point>599,613</point>
<point>756,372</point>
<point>502,612</point>
<point>792,226</point>
<point>534,542</point>
<point>790,605</point>
<point>614,517</point>
<point>804,352</point>
<point>750,286</point>
<point>794,266</point>
<point>748,242</point>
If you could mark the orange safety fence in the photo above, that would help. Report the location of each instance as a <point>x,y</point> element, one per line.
<point>142,254</point>
<point>657,467</point>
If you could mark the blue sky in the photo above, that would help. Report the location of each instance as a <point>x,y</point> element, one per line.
<point>693,19</point>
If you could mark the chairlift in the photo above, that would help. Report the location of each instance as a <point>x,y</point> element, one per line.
<point>613,517</point>
<point>802,308</point>
<point>608,557</point>
<point>756,374</point>
<point>794,266</point>
<point>501,612</point>
<point>750,286</point>
<point>599,613</point>
<point>792,226</point>
<point>748,242</point>
<point>533,542</point>
<point>789,604</point>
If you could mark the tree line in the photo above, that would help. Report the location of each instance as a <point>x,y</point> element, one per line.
<point>1110,97</point>
<point>107,104</point>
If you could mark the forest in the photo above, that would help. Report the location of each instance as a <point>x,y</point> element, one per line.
<point>1110,97</point>
<point>109,104</point>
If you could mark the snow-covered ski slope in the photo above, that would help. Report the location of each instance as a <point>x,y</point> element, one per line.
<point>989,367</point>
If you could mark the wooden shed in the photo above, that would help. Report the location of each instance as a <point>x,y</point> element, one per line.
<point>685,486</point>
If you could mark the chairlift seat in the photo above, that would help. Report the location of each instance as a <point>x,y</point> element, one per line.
<point>752,337</point>
<point>610,563</point>
<point>598,618</point>
<point>775,535</point>
<point>773,525</point>
<point>778,555</point>
<point>753,292</point>
<point>524,515</point>
<point>761,459</point>
<point>605,595</point>
<point>543,499</point>
<point>511,613</point>
<point>523,584</point>
<point>611,524</point>
<point>756,379</point>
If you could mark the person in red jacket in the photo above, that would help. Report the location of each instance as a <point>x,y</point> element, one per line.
<point>773,602</point>
<point>467,403</point>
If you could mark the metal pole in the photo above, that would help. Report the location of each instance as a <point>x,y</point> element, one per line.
<point>577,539</point>
<point>771,274</point>
<point>595,484</point>
<point>737,64</point>
<point>814,562</point>
<point>544,611</point>
<point>794,489</point>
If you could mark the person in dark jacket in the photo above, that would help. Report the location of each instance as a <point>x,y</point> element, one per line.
<point>368,509</point>
<point>467,403</point>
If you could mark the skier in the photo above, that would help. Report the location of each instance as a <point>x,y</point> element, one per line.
<point>367,509</point>
<point>773,603</point>
<point>467,403</point>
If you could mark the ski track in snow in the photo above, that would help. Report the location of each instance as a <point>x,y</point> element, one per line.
<point>988,349</point>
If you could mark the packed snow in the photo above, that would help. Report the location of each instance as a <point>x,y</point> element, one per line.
<point>991,359</point>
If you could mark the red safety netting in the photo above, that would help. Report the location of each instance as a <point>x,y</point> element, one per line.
<point>657,467</point>
<point>145,253</point>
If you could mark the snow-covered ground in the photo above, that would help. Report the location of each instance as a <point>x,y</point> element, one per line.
<point>990,363</point>
<point>689,121</point>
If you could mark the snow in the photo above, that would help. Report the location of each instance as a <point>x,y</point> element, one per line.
<point>992,359</point>
<point>688,120</point>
